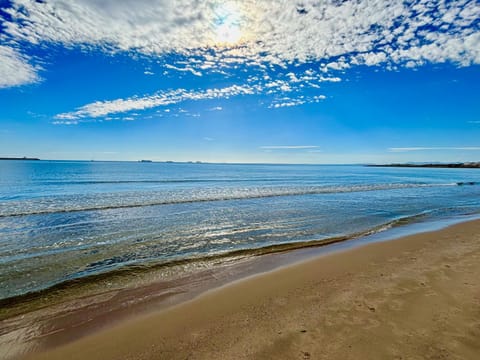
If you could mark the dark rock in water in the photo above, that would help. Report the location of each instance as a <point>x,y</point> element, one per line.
<point>462,183</point>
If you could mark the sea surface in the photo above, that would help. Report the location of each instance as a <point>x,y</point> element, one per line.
<point>63,221</point>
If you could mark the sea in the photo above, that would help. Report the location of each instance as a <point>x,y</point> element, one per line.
<point>71,221</point>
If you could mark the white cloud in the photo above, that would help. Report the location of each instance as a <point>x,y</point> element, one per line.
<point>329,79</point>
<point>65,122</point>
<point>289,102</point>
<point>288,147</point>
<point>104,108</point>
<point>255,32</point>
<point>14,69</point>
<point>265,35</point>
<point>276,89</point>
<point>185,69</point>
<point>422,148</point>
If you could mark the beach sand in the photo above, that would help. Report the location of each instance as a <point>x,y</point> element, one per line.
<point>417,297</point>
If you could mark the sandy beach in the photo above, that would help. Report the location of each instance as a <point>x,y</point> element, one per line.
<point>417,297</point>
<point>229,179</point>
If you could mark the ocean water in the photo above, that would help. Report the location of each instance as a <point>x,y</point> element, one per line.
<point>62,221</point>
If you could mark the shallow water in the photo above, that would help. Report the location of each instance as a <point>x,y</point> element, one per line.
<point>61,221</point>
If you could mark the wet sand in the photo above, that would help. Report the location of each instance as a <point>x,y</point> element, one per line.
<point>417,297</point>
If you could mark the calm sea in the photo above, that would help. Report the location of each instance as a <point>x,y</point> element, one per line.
<point>61,221</point>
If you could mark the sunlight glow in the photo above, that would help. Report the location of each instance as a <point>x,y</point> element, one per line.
<point>227,24</point>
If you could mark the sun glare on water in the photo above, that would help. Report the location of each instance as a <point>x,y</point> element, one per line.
<point>227,24</point>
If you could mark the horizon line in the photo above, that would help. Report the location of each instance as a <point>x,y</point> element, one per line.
<point>200,162</point>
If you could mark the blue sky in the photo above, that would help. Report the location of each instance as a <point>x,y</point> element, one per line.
<point>240,81</point>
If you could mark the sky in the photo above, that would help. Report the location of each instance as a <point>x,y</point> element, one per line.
<point>270,81</point>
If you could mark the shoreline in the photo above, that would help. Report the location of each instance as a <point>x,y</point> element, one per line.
<point>401,226</point>
<point>242,282</point>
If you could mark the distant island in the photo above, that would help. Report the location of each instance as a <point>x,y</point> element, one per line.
<point>18,158</point>
<point>463,165</point>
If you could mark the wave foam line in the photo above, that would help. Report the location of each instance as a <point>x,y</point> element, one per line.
<point>247,194</point>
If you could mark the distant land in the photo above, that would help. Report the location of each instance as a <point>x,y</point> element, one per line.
<point>18,158</point>
<point>464,165</point>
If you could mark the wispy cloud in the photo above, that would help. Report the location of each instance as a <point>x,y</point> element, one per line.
<point>185,69</point>
<point>421,148</point>
<point>301,100</point>
<point>274,89</point>
<point>288,147</point>
<point>15,69</point>
<point>65,122</point>
<point>103,108</point>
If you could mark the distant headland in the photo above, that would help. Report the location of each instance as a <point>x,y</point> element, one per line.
<point>463,165</point>
<point>18,158</point>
